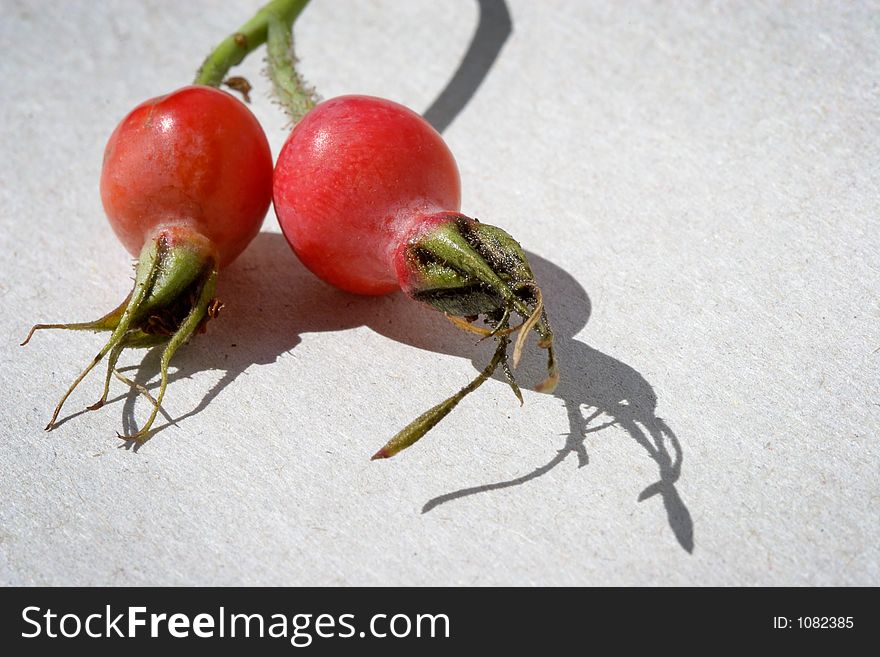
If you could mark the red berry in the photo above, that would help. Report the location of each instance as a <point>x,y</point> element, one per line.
<point>367,194</point>
<point>195,157</point>
<point>186,182</point>
<point>353,177</point>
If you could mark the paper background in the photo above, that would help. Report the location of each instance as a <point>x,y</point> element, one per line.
<point>697,184</point>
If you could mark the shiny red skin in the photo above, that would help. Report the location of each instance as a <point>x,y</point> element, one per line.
<point>355,179</point>
<point>195,159</point>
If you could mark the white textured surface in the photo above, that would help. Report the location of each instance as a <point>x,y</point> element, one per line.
<point>706,173</point>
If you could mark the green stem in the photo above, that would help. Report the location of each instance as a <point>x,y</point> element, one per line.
<point>250,36</point>
<point>115,353</point>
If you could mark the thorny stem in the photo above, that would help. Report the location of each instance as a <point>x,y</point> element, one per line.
<point>501,328</point>
<point>273,23</point>
<point>135,385</point>
<point>106,323</point>
<point>293,93</point>
<point>530,322</point>
<point>511,381</point>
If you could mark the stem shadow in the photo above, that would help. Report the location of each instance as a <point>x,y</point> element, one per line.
<point>493,29</point>
<point>270,301</point>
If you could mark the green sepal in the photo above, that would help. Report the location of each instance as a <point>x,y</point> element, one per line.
<point>463,267</point>
<point>172,299</point>
<point>468,269</point>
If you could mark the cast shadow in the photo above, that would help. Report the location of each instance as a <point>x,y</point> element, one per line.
<point>591,380</point>
<point>493,29</point>
<point>270,301</point>
<point>273,300</point>
<point>599,391</point>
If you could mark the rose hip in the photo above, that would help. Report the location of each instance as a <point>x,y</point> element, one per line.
<point>185,184</point>
<point>368,194</point>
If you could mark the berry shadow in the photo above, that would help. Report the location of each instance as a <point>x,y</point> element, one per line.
<point>598,392</point>
<point>591,380</point>
<point>269,301</point>
<point>272,300</point>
